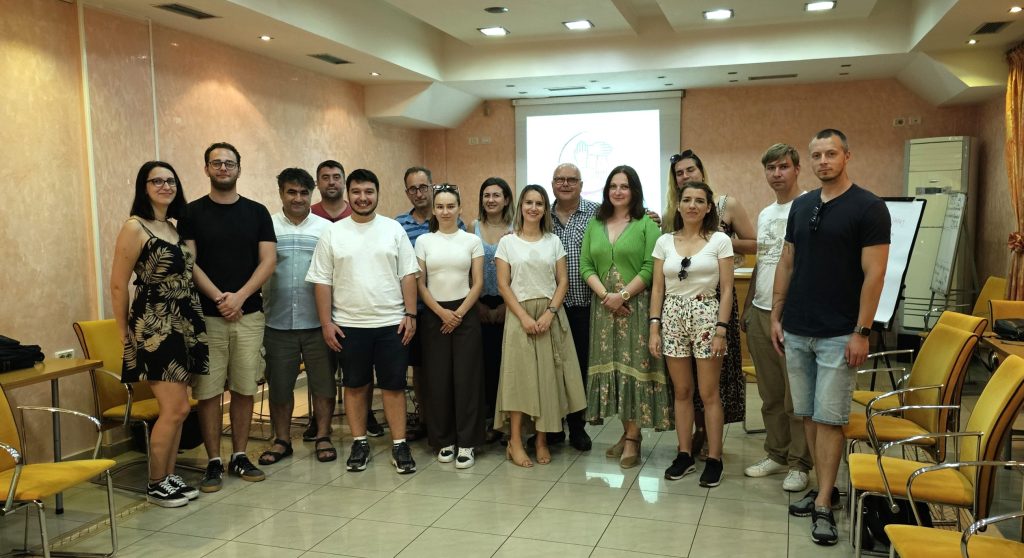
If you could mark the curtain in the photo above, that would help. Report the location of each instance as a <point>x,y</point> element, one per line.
<point>1014,155</point>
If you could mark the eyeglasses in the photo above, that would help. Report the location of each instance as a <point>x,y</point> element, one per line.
<point>217,163</point>
<point>682,268</point>
<point>445,187</point>
<point>570,180</point>
<point>688,154</point>
<point>816,216</point>
<point>161,182</point>
<point>417,189</point>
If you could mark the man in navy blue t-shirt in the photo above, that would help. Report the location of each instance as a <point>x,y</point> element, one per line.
<point>827,286</point>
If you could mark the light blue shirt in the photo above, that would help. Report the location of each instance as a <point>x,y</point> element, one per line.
<point>288,300</point>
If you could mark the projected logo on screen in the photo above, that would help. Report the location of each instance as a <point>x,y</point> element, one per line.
<point>596,143</point>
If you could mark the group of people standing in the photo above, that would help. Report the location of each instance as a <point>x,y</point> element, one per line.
<point>541,312</point>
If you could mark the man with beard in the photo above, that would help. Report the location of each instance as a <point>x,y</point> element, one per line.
<point>234,244</point>
<point>364,275</point>
<point>330,181</point>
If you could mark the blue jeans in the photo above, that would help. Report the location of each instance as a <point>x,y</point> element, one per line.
<point>820,379</point>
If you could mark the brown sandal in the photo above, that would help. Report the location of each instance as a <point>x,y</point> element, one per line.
<point>270,457</point>
<point>323,455</point>
<point>633,460</point>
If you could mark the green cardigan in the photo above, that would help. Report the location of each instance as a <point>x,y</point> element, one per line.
<point>631,253</point>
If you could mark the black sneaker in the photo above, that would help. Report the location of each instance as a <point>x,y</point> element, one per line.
<point>681,466</point>
<point>373,428</point>
<point>804,506</point>
<point>242,467</point>
<point>165,495</point>
<point>823,527</point>
<point>184,488</point>
<point>580,440</point>
<point>712,475</point>
<point>359,456</point>
<point>401,458</point>
<point>213,479</point>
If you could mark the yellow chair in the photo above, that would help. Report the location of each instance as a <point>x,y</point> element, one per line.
<point>24,484</point>
<point>118,404</point>
<point>934,383</point>
<point>912,541</point>
<point>967,482</point>
<point>994,288</point>
<point>1003,309</point>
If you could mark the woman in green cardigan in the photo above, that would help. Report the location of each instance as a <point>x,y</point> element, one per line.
<point>616,263</point>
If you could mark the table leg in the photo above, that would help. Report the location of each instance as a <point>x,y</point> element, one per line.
<point>55,402</point>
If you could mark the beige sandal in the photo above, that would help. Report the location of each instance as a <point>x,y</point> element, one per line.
<point>632,460</point>
<point>616,450</point>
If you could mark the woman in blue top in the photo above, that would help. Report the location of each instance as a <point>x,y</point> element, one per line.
<point>495,221</point>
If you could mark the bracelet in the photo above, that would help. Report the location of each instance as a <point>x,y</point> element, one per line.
<point>722,324</point>
<point>553,309</point>
<point>654,319</point>
<point>606,295</point>
<point>410,315</point>
<point>717,335</point>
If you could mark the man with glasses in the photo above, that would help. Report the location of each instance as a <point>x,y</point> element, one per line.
<point>234,244</point>
<point>364,275</point>
<point>570,216</point>
<point>416,223</point>
<point>827,284</point>
<point>330,181</point>
<point>784,443</point>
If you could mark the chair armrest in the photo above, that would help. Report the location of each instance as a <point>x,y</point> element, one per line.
<point>18,462</point>
<point>952,465</point>
<point>880,451</point>
<point>895,443</point>
<point>127,388</point>
<point>877,370</point>
<point>890,353</point>
<point>981,524</point>
<point>54,410</point>
<point>871,423</point>
<point>869,409</point>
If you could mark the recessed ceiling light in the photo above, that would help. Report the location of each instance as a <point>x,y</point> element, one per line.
<point>668,84</point>
<point>522,92</point>
<point>593,81</point>
<point>845,65</point>
<point>972,42</point>
<point>266,38</point>
<point>578,25</point>
<point>844,73</point>
<point>661,77</point>
<point>374,74</point>
<point>733,80</point>
<point>732,73</point>
<point>1016,10</point>
<point>819,6</point>
<point>510,85</point>
<point>718,14</point>
<point>606,87</point>
<point>493,31</point>
<point>496,10</point>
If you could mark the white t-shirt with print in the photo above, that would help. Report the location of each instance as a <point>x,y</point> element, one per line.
<point>449,260</point>
<point>702,273</point>
<point>771,237</point>
<point>364,263</point>
<point>533,264</point>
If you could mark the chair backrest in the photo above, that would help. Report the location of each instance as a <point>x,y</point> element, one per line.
<point>966,322</point>
<point>100,340</point>
<point>993,416</point>
<point>8,432</point>
<point>994,288</point>
<point>1003,309</point>
<point>943,360</point>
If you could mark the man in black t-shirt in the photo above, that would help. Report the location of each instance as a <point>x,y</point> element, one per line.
<point>235,248</point>
<point>827,286</point>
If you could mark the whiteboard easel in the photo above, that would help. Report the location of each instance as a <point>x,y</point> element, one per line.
<point>949,241</point>
<point>905,215</point>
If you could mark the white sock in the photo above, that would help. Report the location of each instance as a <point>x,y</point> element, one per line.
<point>236,454</point>
<point>398,441</point>
<point>358,438</point>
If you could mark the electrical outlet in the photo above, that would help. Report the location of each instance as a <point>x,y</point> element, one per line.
<point>474,140</point>
<point>899,122</point>
<point>65,353</point>
<point>485,140</point>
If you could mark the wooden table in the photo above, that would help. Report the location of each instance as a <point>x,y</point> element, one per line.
<point>1001,347</point>
<point>49,371</point>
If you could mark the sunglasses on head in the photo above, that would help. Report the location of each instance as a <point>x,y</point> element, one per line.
<point>682,268</point>
<point>688,154</point>
<point>445,187</point>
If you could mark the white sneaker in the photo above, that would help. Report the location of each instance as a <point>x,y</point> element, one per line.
<point>796,481</point>
<point>764,468</point>
<point>446,455</point>
<point>465,459</point>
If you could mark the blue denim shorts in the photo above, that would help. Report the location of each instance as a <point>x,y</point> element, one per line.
<point>819,377</point>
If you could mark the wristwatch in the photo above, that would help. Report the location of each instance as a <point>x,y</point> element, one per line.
<point>624,293</point>
<point>863,331</point>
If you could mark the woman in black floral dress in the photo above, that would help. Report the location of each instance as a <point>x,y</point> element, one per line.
<point>163,331</point>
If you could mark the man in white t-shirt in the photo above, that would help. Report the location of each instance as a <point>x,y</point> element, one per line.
<point>364,270</point>
<point>785,443</point>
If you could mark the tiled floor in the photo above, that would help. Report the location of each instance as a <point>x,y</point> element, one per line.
<point>579,505</point>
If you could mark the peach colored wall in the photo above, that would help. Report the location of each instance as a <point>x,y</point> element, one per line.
<point>46,273</point>
<point>996,220</point>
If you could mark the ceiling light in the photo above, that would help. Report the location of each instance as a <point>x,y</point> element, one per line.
<point>972,42</point>
<point>732,73</point>
<point>493,31</point>
<point>510,85</point>
<point>578,25</point>
<point>606,87</point>
<point>1016,10</point>
<point>845,65</point>
<point>733,80</point>
<point>522,92</point>
<point>266,38</point>
<point>496,10</point>
<point>374,74</point>
<point>718,14</point>
<point>844,73</point>
<point>819,6</point>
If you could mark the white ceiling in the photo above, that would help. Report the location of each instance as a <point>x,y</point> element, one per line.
<point>636,45</point>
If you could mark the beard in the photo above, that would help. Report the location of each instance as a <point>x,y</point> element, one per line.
<point>224,185</point>
<point>363,212</point>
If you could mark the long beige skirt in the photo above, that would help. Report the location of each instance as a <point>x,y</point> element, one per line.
<point>540,375</point>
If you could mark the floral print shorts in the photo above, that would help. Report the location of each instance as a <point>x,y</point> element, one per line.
<point>688,325</point>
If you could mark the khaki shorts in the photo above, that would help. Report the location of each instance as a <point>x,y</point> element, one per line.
<point>236,359</point>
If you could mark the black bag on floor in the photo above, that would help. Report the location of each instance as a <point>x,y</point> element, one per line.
<point>15,356</point>
<point>877,515</point>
